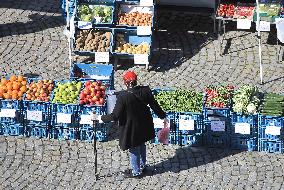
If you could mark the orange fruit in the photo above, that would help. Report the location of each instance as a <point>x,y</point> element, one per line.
<point>15,86</point>
<point>20,93</point>
<point>24,82</point>
<point>23,89</point>
<point>3,81</point>
<point>14,96</point>
<point>9,86</point>
<point>20,78</point>
<point>13,78</point>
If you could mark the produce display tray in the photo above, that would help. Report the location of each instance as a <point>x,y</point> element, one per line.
<point>12,111</point>
<point>190,140</point>
<point>270,146</point>
<point>188,123</point>
<point>64,133</point>
<point>217,120</point>
<point>12,129</point>
<point>249,123</point>
<point>37,130</point>
<point>244,143</point>
<point>270,128</point>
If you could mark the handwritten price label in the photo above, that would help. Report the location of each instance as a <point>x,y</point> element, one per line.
<point>242,128</point>
<point>146,3</point>
<point>144,30</point>
<point>243,24</point>
<point>263,26</point>
<point>186,124</point>
<point>158,123</point>
<point>84,25</point>
<point>218,125</point>
<point>102,57</point>
<point>34,115</point>
<point>141,59</point>
<point>63,118</point>
<point>8,113</point>
<point>272,130</point>
<point>86,119</point>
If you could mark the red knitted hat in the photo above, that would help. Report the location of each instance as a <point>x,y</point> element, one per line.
<point>129,76</point>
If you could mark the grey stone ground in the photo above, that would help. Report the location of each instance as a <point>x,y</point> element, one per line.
<point>185,55</point>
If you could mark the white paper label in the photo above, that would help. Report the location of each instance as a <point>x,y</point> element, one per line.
<point>146,2</point>
<point>272,130</point>
<point>218,125</point>
<point>84,25</point>
<point>242,128</point>
<point>63,118</point>
<point>144,30</point>
<point>186,124</point>
<point>102,57</point>
<point>34,115</point>
<point>263,26</point>
<point>158,123</point>
<point>86,119</point>
<point>141,59</point>
<point>8,113</point>
<point>243,24</point>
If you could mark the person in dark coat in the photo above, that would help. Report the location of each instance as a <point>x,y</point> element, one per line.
<point>132,111</point>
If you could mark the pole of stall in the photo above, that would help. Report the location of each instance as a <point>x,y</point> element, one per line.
<point>259,43</point>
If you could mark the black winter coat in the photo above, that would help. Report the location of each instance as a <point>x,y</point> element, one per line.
<point>134,117</point>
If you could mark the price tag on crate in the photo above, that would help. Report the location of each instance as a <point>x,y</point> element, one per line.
<point>243,24</point>
<point>8,113</point>
<point>102,57</point>
<point>272,130</point>
<point>186,124</point>
<point>218,125</point>
<point>242,128</point>
<point>34,115</point>
<point>158,123</point>
<point>86,120</point>
<point>141,59</point>
<point>144,30</point>
<point>63,118</point>
<point>263,26</point>
<point>84,25</point>
<point>146,3</point>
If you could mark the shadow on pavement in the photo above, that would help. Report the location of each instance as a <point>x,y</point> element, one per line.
<point>38,23</point>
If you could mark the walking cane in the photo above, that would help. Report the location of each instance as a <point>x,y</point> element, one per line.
<point>95,122</point>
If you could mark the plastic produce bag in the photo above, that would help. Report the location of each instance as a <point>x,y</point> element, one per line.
<point>280,29</point>
<point>163,134</point>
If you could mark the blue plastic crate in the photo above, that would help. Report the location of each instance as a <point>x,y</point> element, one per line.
<point>13,129</point>
<point>245,120</point>
<point>130,36</point>
<point>64,133</point>
<point>8,108</point>
<point>219,112</point>
<point>87,133</point>
<point>193,120</point>
<point>190,140</point>
<point>37,130</point>
<point>216,140</point>
<point>97,29</point>
<point>41,110</point>
<point>71,7</point>
<point>217,117</point>
<point>267,122</point>
<point>270,146</point>
<point>244,143</point>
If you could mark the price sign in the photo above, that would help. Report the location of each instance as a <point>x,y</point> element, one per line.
<point>218,125</point>
<point>102,57</point>
<point>242,128</point>
<point>141,59</point>
<point>8,113</point>
<point>86,119</point>
<point>84,25</point>
<point>243,24</point>
<point>158,123</point>
<point>272,130</point>
<point>144,30</point>
<point>146,3</point>
<point>63,118</point>
<point>263,26</point>
<point>34,115</point>
<point>186,124</point>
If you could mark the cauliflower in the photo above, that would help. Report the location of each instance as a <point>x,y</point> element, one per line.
<point>251,108</point>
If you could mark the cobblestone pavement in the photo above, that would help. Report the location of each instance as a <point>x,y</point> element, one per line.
<point>186,55</point>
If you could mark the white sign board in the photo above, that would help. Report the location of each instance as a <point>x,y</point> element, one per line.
<point>242,128</point>
<point>86,119</point>
<point>186,124</point>
<point>272,130</point>
<point>263,26</point>
<point>158,123</point>
<point>8,113</point>
<point>146,3</point>
<point>141,59</point>
<point>102,57</point>
<point>218,125</point>
<point>144,30</point>
<point>63,118</point>
<point>243,24</point>
<point>34,115</point>
<point>84,25</point>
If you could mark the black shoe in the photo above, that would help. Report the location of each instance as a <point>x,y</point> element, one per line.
<point>144,170</point>
<point>128,174</point>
